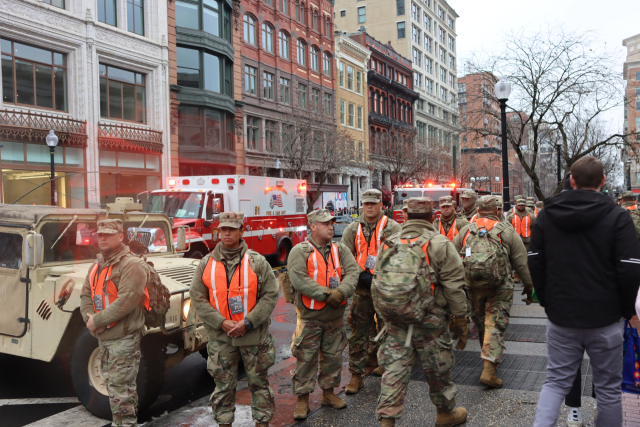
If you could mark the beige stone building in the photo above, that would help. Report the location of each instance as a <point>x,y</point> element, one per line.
<point>631,72</point>
<point>352,111</point>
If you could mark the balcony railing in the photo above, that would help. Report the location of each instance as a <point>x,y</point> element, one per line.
<point>129,137</point>
<point>35,127</point>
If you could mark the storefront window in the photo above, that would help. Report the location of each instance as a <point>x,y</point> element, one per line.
<point>139,172</point>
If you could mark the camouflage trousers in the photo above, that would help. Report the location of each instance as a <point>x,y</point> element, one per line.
<point>222,365</point>
<point>317,342</point>
<point>490,312</point>
<point>120,361</point>
<point>433,347</point>
<point>363,330</point>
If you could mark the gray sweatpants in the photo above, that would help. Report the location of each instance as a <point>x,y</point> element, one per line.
<point>565,348</point>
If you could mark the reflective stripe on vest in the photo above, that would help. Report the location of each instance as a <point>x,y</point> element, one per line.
<point>243,283</point>
<point>473,218</point>
<point>485,223</point>
<point>522,225</point>
<point>453,231</point>
<point>319,271</point>
<point>363,249</point>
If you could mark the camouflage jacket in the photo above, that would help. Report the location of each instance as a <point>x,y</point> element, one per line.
<point>532,217</point>
<point>516,251</point>
<point>445,262</point>
<point>349,234</point>
<point>305,285</point>
<point>260,316</point>
<point>461,222</point>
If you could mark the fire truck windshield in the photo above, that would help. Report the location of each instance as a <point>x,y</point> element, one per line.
<point>177,205</point>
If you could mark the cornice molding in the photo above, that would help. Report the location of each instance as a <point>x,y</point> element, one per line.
<point>35,15</point>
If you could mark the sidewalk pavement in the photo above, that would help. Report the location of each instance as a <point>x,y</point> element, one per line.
<point>523,372</point>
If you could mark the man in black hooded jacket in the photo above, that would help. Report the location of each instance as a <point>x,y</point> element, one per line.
<point>585,265</point>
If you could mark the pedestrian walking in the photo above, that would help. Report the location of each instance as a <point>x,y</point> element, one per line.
<point>363,239</point>
<point>469,208</point>
<point>418,285</point>
<point>113,303</point>
<point>491,250</point>
<point>449,223</point>
<point>234,292</point>
<point>324,274</point>
<point>584,263</point>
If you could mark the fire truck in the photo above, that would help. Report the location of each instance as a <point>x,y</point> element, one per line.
<point>433,191</point>
<point>274,210</point>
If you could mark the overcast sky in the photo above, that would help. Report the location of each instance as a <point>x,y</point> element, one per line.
<point>482,23</point>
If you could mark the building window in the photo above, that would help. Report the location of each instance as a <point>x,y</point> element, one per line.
<point>359,82</point>
<point>250,79</point>
<point>328,24</point>
<point>351,114</point>
<point>417,57</point>
<point>267,85</point>
<point>204,15</point>
<point>253,132</point>
<point>443,57</point>
<point>315,19</point>
<point>107,12</point>
<point>341,67</point>
<point>33,76</point>
<point>401,30</point>
<point>302,52</point>
<point>350,78</point>
<point>57,3</point>
<point>302,12</point>
<point>341,112</point>
<point>431,109</point>
<point>452,43</point>
<point>638,76</point>
<point>416,34</point>
<point>315,100</point>
<point>204,127</point>
<point>284,90</point>
<point>270,135</point>
<point>302,96</point>
<point>450,22</point>
<point>284,45</point>
<point>267,37</point>
<point>268,2</point>
<point>200,69</point>
<point>441,34</point>
<point>327,64</point>
<point>284,6</point>
<point>428,65</point>
<point>359,117</point>
<point>638,99</point>
<point>362,15</point>
<point>327,103</point>
<point>314,59</point>
<point>343,13</point>
<point>135,16</point>
<point>297,10</point>
<point>122,94</point>
<point>414,12</point>
<point>452,62</point>
<point>441,14</point>
<point>400,7</point>
<point>427,22</point>
<point>249,29</point>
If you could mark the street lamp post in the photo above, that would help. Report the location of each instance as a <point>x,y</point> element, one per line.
<point>52,141</point>
<point>559,146</point>
<point>628,164</point>
<point>503,90</point>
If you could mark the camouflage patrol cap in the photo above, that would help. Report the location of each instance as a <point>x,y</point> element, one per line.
<point>500,202</point>
<point>540,204</point>
<point>320,215</point>
<point>518,197</point>
<point>627,195</point>
<point>420,205</point>
<point>487,202</point>
<point>231,219</point>
<point>372,196</point>
<point>469,194</point>
<point>531,199</point>
<point>446,201</point>
<point>521,202</point>
<point>110,226</point>
<point>530,204</point>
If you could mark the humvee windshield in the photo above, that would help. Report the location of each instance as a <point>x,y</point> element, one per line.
<point>79,243</point>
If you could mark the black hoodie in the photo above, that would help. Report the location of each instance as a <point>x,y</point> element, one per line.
<point>584,259</point>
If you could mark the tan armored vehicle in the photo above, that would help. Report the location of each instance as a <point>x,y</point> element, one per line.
<point>45,254</point>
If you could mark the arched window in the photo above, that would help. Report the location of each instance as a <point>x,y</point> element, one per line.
<point>315,19</point>
<point>314,59</point>
<point>375,102</point>
<point>284,45</point>
<point>302,13</point>
<point>327,64</point>
<point>302,52</point>
<point>249,29</point>
<point>284,6</point>
<point>328,29</point>
<point>267,37</point>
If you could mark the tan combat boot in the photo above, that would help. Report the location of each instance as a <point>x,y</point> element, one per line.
<point>302,410</point>
<point>330,399</point>
<point>372,360</point>
<point>355,385</point>
<point>452,418</point>
<point>377,372</point>
<point>489,377</point>
<point>387,422</point>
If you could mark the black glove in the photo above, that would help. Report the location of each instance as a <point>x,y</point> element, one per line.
<point>528,291</point>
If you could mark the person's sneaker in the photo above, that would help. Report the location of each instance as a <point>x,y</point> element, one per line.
<point>574,419</point>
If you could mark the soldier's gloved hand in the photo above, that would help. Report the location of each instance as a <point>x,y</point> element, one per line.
<point>335,298</point>
<point>461,329</point>
<point>528,291</point>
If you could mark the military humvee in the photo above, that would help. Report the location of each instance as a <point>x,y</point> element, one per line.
<point>45,254</point>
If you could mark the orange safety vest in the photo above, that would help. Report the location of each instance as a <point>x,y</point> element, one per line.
<point>320,271</point>
<point>453,231</point>
<point>243,283</point>
<point>363,249</point>
<point>522,225</point>
<point>486,223</point>
<point>97,282</point>
<point>630,208</point>
<point>473,218</point>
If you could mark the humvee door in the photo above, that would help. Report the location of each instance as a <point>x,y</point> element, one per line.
<point>13,291</point>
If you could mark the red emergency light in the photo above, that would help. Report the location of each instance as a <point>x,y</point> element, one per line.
<point>231,181</point>
<point>453,185</point>
<point>302,186</point>
<point>172,182</point>
<point>215,181</point>
<point>185,182</point>
<point>430,185</point>
<point>242,181</point>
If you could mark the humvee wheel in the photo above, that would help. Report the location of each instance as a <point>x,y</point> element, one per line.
<point>88,382</point>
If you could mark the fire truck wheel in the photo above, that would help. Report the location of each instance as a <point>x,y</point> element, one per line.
<point>282,255</point>
<point>196,255</point>
<point>89,384</point>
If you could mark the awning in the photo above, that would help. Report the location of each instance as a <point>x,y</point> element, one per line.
<point>386,194</point>
<point>635,190</point>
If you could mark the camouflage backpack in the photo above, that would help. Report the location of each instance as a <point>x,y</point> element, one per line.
<point>486,264</point>
<point>402,286</point>
<point>159,296</point>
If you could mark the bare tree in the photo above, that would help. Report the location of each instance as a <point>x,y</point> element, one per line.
<point>398,155</point>
<point>562,84</point>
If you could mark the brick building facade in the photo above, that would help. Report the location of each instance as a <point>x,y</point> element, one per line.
<point>631,72</point>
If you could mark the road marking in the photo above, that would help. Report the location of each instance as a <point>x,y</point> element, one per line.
<point>75,417</point>
<point>42,401</point>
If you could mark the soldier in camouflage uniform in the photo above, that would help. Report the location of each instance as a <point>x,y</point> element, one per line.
<point>500,203</point>
<point>490,307</point>
<point>449,217</point>
<point>238,326</point>
<point>628,201</point>
<point>363,238</point>
<point>324,274</point>
<point>430,340</point>
<point>405,212</point>
<point>531,206</point>
<point>117,322</point>
<point>539,205</point>
<point>522,221</point>
<point>469,207</point>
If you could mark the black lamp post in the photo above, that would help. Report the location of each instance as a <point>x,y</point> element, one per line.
<point>628,164</point>
<point>503,90</point>
<point>52,141</point>
<point>559,146</point>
